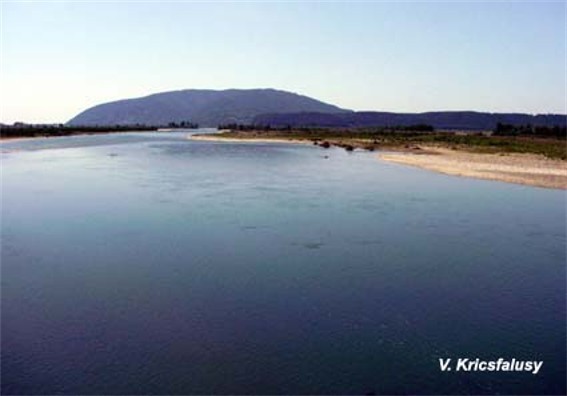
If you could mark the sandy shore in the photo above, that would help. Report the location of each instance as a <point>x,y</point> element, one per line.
<point>529,169</point>
<point>16,139</point>
<point>212,138</point>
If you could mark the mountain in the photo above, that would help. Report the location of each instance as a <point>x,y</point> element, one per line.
<point>207,108</point>
<point>462,120</point>
<point>210,108</point>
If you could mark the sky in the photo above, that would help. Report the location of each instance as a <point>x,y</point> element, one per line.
<point>59,58</point>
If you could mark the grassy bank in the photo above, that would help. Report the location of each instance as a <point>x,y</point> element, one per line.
<point>375,139</point>
<point>31,131</point>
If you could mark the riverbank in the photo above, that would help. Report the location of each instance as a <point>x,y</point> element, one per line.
<point>467,158</point>
<point>9,132</point>
<point>220,138</point>
<point>527,169</point>
<point>16,139</point>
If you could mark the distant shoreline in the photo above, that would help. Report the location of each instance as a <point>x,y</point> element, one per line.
<point>10,132</point>
<point>219,138</point>
<point>7,139</point>
<point>518,168</point>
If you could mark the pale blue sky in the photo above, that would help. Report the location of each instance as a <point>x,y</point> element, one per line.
<point>59,58</point>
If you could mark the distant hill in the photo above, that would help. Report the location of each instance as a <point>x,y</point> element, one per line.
<point>461,120</point>
<point>207,108</point>
<point>210,108</point>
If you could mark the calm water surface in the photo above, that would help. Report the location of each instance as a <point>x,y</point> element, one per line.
<point>150,264</point>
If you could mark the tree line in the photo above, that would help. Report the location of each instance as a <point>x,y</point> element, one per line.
<point>20,129</point>
<point>28,130</point>
<point>556,131</point>
<point>183,124</point>
<point>267,127</point>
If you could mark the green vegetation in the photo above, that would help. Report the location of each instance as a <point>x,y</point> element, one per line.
<point>556,131</point>
<point>549,147</point>
<point>264,128</point>
<point>28,130</point>
<point>19,130</point>
<point>410,138</point>
<point>183,124</point>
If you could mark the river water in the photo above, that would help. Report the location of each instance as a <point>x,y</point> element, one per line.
<point>146,263</point>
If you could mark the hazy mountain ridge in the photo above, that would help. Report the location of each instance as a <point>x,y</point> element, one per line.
<point>210,108</point>
<point>204,107</point>
<point>464,120</point>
